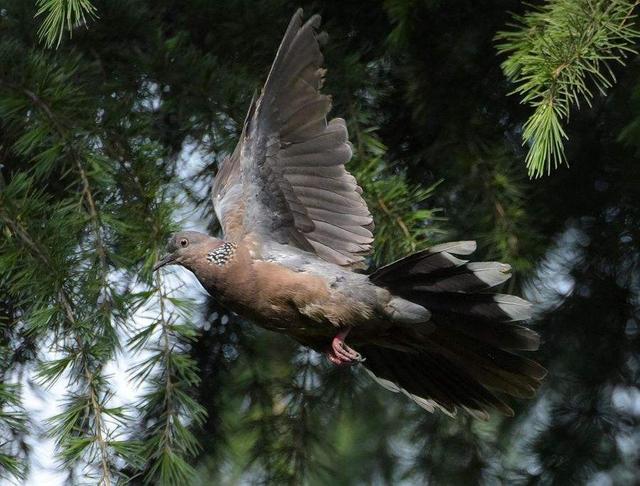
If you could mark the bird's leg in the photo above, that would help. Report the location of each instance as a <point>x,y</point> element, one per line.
<point>341,354</point>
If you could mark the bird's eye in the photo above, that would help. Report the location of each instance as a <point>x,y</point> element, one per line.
<point>184,242</point>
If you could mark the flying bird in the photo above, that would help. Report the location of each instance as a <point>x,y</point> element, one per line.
<point>296,230</point>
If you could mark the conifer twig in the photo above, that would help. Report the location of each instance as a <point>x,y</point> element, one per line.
<point>66,303</point>
<point>557,55</point>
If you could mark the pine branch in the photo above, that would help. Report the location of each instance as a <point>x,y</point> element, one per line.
<point>558,55</point>
<point>81,427</point>
<point>167,405</point>
<point>94,408</point>
<point>87,193</point>
<point>403,224</point>
<point>13,420</point>
<point>61,16</point>
<point>285,400</point>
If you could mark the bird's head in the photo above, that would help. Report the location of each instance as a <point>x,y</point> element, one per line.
<point>187,247</point>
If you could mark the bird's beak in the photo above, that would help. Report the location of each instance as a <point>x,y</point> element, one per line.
<point>165,260</point>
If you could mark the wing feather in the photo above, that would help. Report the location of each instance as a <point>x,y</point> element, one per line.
<point>289,161</point>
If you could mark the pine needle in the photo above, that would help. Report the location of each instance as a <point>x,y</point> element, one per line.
<point>60,16</point>
<point>560,54</point>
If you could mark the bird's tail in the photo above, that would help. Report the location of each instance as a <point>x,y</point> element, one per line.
<point>467,361</point>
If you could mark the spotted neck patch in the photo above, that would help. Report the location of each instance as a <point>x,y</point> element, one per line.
<point>221,255</point>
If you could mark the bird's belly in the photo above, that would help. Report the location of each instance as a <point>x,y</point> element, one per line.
<point>286,318</point>
<point>313,322</point>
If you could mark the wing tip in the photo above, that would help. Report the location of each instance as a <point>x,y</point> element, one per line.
<point>297,17</point>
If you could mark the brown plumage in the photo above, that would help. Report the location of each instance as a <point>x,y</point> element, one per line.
<point>295,228</point>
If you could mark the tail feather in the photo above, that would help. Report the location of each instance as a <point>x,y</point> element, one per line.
<point>467,360</point>
<point>495,368</point>
<point>496,307</point>
<point>505,335</point>
<point>431,381</point>
<point>426,261</point>
<point>465,277</point>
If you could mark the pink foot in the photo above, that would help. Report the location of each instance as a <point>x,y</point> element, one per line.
<point>340,354</point>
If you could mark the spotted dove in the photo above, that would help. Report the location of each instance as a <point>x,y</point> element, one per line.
<point>295,230</point>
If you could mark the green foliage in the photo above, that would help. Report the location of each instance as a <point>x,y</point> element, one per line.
<point>498,213</point>
<point>403,223</point>
<point>61,15</point>
<point>559,56</point>
<point>74,209</point>
<point>167,406</point>
<point>13,420</point>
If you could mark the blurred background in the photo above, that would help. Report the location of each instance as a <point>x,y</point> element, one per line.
<point>110,134</point>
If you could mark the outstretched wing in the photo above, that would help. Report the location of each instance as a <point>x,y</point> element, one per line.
<point>286,180</point>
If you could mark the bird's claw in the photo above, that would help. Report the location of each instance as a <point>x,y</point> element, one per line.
<point>340,354</point>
